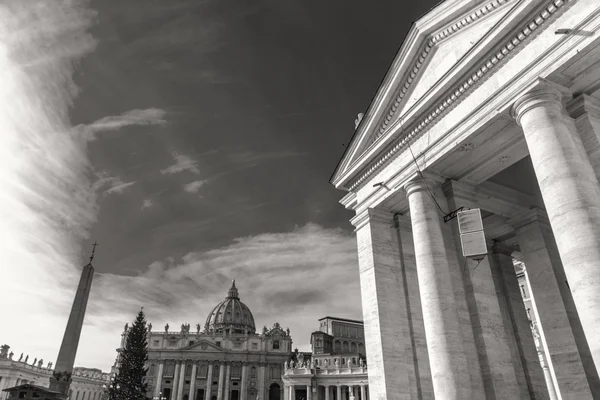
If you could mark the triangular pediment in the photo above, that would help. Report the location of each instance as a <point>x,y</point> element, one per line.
<point>440,47</point>
<point>203,345</point>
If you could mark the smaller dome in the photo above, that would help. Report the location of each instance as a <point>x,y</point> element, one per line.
<point>231,315</point>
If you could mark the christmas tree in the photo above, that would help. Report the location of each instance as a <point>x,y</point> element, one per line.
<point>130,381</point>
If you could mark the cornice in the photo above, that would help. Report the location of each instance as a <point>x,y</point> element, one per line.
<point>430,42</point>
<point>461,89</point>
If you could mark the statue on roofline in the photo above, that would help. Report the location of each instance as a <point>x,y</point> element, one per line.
<point>20,358</point>
<point>10,355</point>
<point>167,328</point>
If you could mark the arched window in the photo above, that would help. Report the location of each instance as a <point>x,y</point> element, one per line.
<point>152,369</point>
<point>236,371</point>
<point>169,369</point>
<point>253,372</point>
<point>361,349</point>
<point>353,348</point>
<point>346,347</point>
<point>188,370</point>
<point>338,346</point>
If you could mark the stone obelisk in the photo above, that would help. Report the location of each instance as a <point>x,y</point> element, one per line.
<point>61,379</point>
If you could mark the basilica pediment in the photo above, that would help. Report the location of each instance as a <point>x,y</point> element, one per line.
<point>203,345</point>
<point>440,50</point>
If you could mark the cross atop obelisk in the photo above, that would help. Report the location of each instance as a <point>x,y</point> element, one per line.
<point>61,379</point>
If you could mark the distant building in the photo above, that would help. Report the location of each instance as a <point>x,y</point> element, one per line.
<point>87,384</point>
<point>336,368</point>
<point>226,360</point>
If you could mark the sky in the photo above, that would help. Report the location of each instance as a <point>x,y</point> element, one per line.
<point>194,141</point>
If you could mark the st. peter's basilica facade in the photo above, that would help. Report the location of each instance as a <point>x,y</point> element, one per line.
<point>227,360</point>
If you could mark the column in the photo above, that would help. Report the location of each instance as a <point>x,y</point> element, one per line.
<point>159,378</point>
<point>339,393</point>
<point>181,381</point>
<point>175,380</point>
<point>571,195</point>
<point>487,310</point>
<point>327,392</point>
<point>286,392</point>
<point>448,362</point>
<point>363,393</point>
<point>292,395</point>
<point>384,305</point>
<point>209,379</point>
<point>261,381</point>
<point>517,327</point>
<point>585,111</point>
<point>420,373</point>
<point>244,386</point>
<point>192,395</point>
<point>221,381</point>
<point>308,392</point>
<point>226,395</point>
<point>553,305</point>
<point>355,388</point>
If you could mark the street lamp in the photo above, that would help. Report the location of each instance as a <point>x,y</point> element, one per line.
<point>159,397</point>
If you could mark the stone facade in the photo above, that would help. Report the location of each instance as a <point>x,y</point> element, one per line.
<point>489,105</point>
<point>87,383</point>
<point>336,368</point>
<point>224,360</point>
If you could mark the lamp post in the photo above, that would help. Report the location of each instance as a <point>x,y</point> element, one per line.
<point>159,397</point>
<point>107,388</point>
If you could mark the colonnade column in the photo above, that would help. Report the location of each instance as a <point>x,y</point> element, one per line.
<point>571,194</point>
<point>159,378</point>
<point>261,381</point>
<point>517,327</point>
<point>558,323</point>
<point>308,392</point>
<point>327,392</point>
<point>221,381</point>
<point>209,378</point>
<point>181,381</point>
<point>339,392</point>
<point>292,393</point>
<point>227,381</point>
<point>192,395</point>
<point>363,393</point>
<point>176,380</point>
<point>387,336</point>
<point>244,387</point>
<point>448,362</point>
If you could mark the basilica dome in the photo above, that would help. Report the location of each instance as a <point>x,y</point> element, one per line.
<point>230,315</point>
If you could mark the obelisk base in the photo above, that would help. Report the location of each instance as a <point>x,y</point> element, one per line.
<point>61,382</point>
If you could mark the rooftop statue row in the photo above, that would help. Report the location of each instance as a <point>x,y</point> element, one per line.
<point>4,354</point>
<point>185,329</point>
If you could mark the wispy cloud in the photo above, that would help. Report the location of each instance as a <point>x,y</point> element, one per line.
<point>193,187</point>
<point>150,116</point>
<point>147,203</point>
<point>267,268</point>
<point>47,206</point>
<point>182,163</point>
<point>111,184</point>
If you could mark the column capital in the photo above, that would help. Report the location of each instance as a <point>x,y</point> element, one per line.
<point>376,215</point>
<point>542,92</point>
<point>499,248</point>
<point>533,215</point>
<point>583,104</point>
<point>427,182</point>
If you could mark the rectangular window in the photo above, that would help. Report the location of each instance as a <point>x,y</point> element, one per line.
<point>276,344</point>
<point>156,343</point>
<point>237,345</point>
<point>192,342</point>
<point>218,344</point>
<point>254,346</point>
